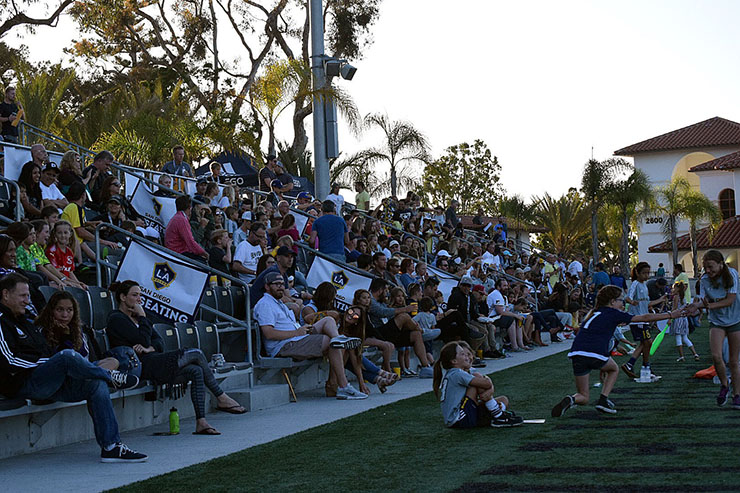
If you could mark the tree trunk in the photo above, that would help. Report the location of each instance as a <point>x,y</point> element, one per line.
<point>674,239</point>
<point>595,233</point>
<point>625,254</point>
<point>393,181</point>
<point>694,249</point>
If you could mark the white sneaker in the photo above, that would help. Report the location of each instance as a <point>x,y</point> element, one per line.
<point>344,342</point>
<point>350,393</point>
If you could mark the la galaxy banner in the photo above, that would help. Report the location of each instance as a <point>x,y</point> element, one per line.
<point>170,288</point>
<point>156,211</point>
<point>446,280</point>
<point>346,281</point>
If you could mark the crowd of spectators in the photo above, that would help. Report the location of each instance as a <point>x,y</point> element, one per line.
<point>503,298</point>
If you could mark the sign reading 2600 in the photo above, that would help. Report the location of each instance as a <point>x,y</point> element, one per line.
<point>654,220</point>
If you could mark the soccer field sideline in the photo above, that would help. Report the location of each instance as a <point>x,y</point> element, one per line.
<point>70,468</point>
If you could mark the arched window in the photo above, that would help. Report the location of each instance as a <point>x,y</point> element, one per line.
<point>727,203</point>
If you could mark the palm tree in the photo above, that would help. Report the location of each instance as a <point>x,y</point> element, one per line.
<point>697,207</point>
<point>402,146</point>
<point>670,201</point>
<point>596,182</point>
<point>515,208</point>
<point>630,195</point>
<point>43,94</point>
<point>566,218</point>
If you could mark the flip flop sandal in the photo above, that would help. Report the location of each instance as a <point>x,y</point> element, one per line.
<point>232,409</point>
<point>207,431</point>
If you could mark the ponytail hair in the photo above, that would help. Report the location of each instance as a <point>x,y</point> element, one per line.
<point>636,269</point>
<point>448,353</point>
<point>724,274</point>
<point>121,288</point>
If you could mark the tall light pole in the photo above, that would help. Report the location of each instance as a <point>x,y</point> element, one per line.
<point>321,162</point>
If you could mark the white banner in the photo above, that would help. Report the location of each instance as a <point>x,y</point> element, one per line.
<point>170,288</point>
<point>16,157</point>
<point>157,211</point>
<point>300,223</point>
<point>346,281</point>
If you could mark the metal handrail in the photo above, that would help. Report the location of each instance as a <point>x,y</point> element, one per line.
<point>18,205</point>
<point>247,324</point>
<point>349,267</point>
<point>85,152</point>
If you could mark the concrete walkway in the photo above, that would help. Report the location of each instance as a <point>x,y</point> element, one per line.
<point>77,468</point>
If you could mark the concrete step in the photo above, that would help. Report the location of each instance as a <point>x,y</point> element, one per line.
<point>262,396</point>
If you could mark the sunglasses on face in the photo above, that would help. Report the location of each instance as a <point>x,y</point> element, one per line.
<point>353,314</point>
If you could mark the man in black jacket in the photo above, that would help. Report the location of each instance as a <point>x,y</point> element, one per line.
<point>29,370</point>
<point>462,300</point>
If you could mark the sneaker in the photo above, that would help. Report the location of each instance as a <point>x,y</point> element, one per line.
<point>123,381</point>
<point>606,407</point>
<point>350,393</point>
<point>426,372</point>
<point>627,368</point>
<point>680,359</point>
<point>562,406</point>
<point>490,354</point>
<point>736,402</point>
<point>506,419</point>
<point>478,363</point>
<point>121,453</point>
<point>344,342</point>
<point>654,378</point>
<point>407,373</point>
<point>722,396</point>
<point>696,357</point>
<point>597,385</point>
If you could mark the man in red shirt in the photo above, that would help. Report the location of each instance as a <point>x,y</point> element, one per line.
<point>178,236</point>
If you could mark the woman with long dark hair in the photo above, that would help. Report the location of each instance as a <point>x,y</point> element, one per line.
<point>128,326</point>
<point>719,288</point>
<point>30,177</point>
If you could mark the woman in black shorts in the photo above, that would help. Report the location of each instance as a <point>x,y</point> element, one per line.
<point>590,350</point>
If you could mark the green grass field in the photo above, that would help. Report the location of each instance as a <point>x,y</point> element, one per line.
<point>667,436</point>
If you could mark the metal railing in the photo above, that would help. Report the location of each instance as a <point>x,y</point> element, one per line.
<point>18,205</point>
<point>237,325</point>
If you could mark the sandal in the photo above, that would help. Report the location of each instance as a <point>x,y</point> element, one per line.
<point>382,384</point>
<point>233,409</point>
<point>207,431</point>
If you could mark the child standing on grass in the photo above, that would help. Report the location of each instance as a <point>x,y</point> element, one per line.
<point>590,350</point>
<point>680,326</point>
<point>719,286</point>
<point>461,393</point>
<point>640,303</point>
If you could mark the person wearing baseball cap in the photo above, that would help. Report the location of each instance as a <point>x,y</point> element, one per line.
<point>462,300</point>
<point>50,193</point>
<point>284,337</point>
<point>284,257</point>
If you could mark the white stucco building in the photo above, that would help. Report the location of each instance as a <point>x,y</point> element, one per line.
<point>707,154</point>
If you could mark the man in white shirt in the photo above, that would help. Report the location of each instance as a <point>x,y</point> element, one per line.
<point>489,259</point>
<point>575,268</point>
<point>283,336</point>
<point>336,198</point>
<point>50,193</point>
<point>499,305</point>
<point>249,252</point>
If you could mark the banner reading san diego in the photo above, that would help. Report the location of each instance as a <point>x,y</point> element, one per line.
<point>169,287</point>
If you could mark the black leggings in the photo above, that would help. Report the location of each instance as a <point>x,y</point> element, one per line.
<point>194,367</point>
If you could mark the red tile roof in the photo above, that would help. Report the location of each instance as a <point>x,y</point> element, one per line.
<point>730,161</point>
<point>709,133</point>
<point>727,236</point>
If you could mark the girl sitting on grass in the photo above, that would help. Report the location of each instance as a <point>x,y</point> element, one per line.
<point>680,326</point>
<point>590,350</point>
<point>461,393</point>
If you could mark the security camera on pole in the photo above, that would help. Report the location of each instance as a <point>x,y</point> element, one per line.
<point>324,68</point>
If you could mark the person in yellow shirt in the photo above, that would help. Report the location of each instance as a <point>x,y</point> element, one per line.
<point>362,199</point>
<point>680,276</point>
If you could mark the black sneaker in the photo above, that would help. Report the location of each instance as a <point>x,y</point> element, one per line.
<point>506,419</point>
<point>562,406</point>
<point>627,369</point>
<point>606,406</point>
<point>478,363</point>
<point>121,453</point>
<point>122,381</point>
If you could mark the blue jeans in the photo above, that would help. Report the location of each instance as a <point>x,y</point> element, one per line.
<point>370,371</point>
<point>69,377</point>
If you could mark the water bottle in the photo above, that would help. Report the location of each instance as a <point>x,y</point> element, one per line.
<point>174,422</point>
<point>645,374</point>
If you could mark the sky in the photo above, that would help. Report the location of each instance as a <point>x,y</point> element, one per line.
<point>542,82</point>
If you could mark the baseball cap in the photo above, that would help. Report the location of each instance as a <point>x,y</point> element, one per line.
<point>479,287</point>
<point>280,163</point>
<point>271,277</point>
<point>393,243</point>
<point>285,251</point>
<point>247,215</point>
<point>116,199</point>
<point>443,253</point>
<point>51,166</point>
<point>466,280</point>
<point>304,195</point>
<point>270,157</point>
<point>202,180</point>
<point>276,183</point>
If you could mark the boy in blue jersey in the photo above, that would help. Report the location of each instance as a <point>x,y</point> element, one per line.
<point>590,350</point>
